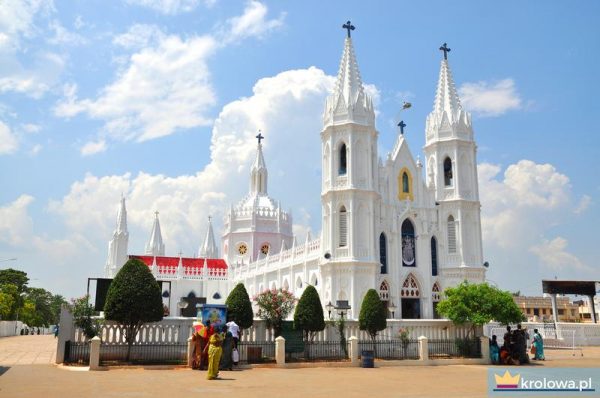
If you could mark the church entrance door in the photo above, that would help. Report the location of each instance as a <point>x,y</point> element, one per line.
<point>411,308</point>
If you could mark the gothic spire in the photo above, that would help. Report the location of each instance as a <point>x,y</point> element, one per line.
<point>122,217</point>
<point>209,248</point>
<point>258,172</point>
<point>155,245</point>
<point>446,97</point>
<point>348,102</point>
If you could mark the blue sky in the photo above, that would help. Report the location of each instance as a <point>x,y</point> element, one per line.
<point>161,99</point>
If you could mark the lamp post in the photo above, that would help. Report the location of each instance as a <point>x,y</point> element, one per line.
<point>8,259</point>
<point>329,308</point>
<point>392,308</point>
<point>181,305</point>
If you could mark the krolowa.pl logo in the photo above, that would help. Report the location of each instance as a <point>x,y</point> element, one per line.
<point>538,383</point>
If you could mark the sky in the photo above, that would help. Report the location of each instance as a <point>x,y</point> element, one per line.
<point>160,100</point>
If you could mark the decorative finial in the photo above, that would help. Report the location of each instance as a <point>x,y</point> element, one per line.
<point>180,253</point>
<point>445,49</point>
<point>156,213</point>
<point>348,26</point>
<point>209,218</point>
<point>402,125</point>
<point>259,137</point>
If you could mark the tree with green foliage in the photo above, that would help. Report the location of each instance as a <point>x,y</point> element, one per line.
<point>133,298</point>
<point>308,316</point>
<point>372,317</point>
<point>82,313</point>
<point>239,307</point>
<point>274,306</point>
<point>8,294</point>
<point>477,304</point>
<point>19,280</point>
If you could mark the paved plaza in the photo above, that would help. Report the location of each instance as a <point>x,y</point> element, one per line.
<point>27,370</point>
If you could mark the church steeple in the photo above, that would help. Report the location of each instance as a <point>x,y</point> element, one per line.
<point>348,102</point>
<point>209,248</point>
<point>155,245</point>
<point>122,217</point>
<point>446,97</point>
<point>118,245</point>
<point>258,172</point>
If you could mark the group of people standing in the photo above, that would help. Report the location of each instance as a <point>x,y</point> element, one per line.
<point>215,347</point>
<point>514,348</point>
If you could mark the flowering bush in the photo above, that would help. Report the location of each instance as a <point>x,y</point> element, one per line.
<point>403,333</point>
<point>274,306</point>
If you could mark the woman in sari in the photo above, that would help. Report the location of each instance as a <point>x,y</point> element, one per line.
<point>494,351</point>
<point>214,355</point>
<point>538,343</point>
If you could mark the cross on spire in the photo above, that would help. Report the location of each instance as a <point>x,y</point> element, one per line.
<point>348,26</point>
<point>402,125</point>
<point>259,137</point>
<point>209,218</point>
<point>445,49</point>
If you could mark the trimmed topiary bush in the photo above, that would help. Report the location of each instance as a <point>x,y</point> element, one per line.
<point>308,316</point>
<point>239,307</point>
<point>372,318</point>
<point>133,299</point>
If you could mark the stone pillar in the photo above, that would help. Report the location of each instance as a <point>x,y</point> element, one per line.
<point>280,351</point>
<point>66,332</point>
<point>423,348</point>
<point>485,349</point>
<point>353,351</point>
<point>593,308</point>
<point>554,308</point>
<point>190,352</point>
<point>95,353</point>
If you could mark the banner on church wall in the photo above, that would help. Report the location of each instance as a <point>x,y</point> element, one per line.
<point>216,314</point>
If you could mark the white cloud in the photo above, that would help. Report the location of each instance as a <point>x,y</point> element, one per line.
<point>21,69</point>
<point>518,210</point>
<point>35,150</point>
<point>15,223</point>
<point>252,23</point>
<point>91,148</point>
<point>8,141</point>
<point>164,88</point>
<point>168,7</point>
<point>287,108</point>
<point>64,36</point>
<point>139,36</point>
<point>553,254</point>
<point>31,128</point>
<point>583,205</point>
<point>490,99</point>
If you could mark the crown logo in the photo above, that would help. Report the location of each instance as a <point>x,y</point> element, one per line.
<point>507,381</point>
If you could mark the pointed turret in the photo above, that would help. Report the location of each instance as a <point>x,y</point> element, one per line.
<point>122,217</point>
<point>155,245</point>
<point>349,103</point>
<point>117,247</point>
<point>258,172</point>
<point>448,119</point>
<point>209,248</point>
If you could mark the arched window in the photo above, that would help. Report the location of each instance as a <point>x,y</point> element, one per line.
<point>383,253</point>
<point>448,172</point>
<point>451,234</point>
<point>434,259</point>
<point>343,227</point>
<point>343,160</point>
<point>410,298</point>
<point>384,291</point>
<point>405,183</point>
<point>408,244</point>
<point>216,296</point>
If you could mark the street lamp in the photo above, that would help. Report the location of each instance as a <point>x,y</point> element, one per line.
<point>342,308</point>
<point>8,259</point>
<point>330,308</point>
<point>392,308</point>
<point>181,305</point>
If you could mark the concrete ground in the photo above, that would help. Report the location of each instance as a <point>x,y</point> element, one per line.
<point>26,370</point>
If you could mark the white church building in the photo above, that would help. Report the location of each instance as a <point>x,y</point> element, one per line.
<point>387,224</point>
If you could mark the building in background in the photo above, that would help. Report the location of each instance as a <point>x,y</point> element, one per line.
<point>539,309</point>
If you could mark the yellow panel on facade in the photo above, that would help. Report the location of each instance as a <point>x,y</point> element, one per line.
<point>405,185</point>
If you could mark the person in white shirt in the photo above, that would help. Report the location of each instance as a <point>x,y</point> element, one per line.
<point>234,329</point>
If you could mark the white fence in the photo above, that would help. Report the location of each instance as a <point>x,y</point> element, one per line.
<point>579,334</point>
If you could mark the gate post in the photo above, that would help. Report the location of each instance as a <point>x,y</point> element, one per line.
<point>95,353</point>
<point>280,351</point>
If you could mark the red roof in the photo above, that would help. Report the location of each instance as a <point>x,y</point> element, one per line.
<point>188,263</point>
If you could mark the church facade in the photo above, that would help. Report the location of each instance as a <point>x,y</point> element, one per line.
<point>387,224</point>
<point>407,229</point>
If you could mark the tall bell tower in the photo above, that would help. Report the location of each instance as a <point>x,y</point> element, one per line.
<point>451,155</point>
<point>348,191</point>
